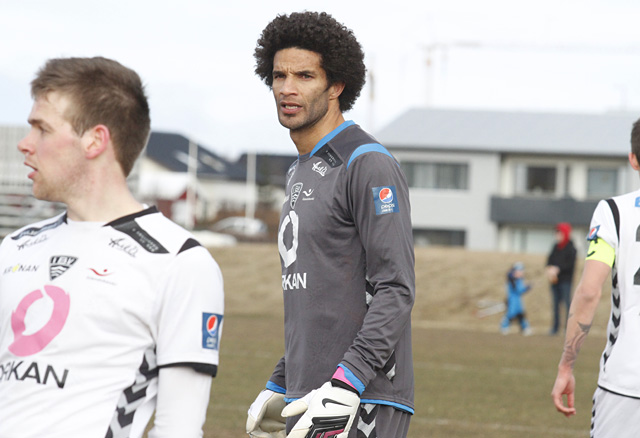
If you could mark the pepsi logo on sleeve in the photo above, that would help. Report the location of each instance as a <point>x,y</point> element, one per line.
<point>211,323</point>
<point>593,233</point>
<point>385,200</point>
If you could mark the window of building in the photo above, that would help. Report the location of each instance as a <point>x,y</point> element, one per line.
<point>426,237</point>
<point>532,240</point>
<point>602,182</point>
<point>536,180</point>
<point>438,176</point>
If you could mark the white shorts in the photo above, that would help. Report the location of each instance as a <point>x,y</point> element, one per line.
<point>614,415</point>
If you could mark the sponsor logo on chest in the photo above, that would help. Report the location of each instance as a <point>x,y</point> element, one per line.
<point>125,246</point>
<point>319,168</point>
<point>103,275</point>
<point>32,242</point>
<point>307,195</point>
<point>33,372</point>
<point>20,268</point>
<point>295,281</point>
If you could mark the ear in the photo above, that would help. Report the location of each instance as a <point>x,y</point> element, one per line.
<point>336,89</point>
<point>633,160</point>
<point>96,140</point>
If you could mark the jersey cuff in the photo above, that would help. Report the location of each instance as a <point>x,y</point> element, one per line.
<point>388,403</point>
<point>353,380</point>
<point>601,251</point>
<point>275,388</point>
<point>204,368</point>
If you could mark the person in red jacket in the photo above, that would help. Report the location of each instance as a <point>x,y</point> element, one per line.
<point>560,266</point>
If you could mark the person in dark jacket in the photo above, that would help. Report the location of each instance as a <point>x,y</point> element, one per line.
<point>560,266</point>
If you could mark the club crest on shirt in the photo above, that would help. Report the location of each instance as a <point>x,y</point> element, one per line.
<point>295,193</point>
<point>384,199</point>
<point>58,265</point>
<point>211,324</point>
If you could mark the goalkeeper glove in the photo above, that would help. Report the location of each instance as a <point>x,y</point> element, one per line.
<point>328,411</point>
<point>264,418</point>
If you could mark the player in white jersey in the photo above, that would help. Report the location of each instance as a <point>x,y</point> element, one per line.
<point>109,310</point>
<point>614,249</point>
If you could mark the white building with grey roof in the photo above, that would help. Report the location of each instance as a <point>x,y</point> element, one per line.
<point>490,180</point>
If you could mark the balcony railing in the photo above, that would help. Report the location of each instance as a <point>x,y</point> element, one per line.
<point>538,211</point>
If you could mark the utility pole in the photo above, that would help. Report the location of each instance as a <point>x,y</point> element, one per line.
<point>250,207</point>
<point>192,182</point>
<point>431,50</point>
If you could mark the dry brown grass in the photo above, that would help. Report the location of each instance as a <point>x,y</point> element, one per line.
<point>470,380</point>
<point>451,283</point>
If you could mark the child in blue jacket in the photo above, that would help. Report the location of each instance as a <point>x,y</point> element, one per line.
<point>516,287</point>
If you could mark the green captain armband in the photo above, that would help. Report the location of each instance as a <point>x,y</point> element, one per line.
<point>601,251</point>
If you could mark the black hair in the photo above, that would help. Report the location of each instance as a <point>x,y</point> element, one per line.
<point>635,139</point>
<point>341,55</point>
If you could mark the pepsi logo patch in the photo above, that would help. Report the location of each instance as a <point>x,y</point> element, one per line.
<point>385,200</point>
<point>593,233</point>
<point>211,328</point>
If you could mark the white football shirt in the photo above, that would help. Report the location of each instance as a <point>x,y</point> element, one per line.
<point>89,311</point>
<point>617,222</point>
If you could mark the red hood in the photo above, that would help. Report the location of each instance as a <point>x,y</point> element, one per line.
<point>565,229</point>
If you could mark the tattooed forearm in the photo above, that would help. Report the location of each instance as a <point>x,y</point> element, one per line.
<point>572,345</point>
<point>584,328</point>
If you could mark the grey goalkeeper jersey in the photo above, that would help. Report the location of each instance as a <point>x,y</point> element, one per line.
<point>346,249</point>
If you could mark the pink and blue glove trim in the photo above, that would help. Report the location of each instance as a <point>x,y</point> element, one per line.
<point>344,378</point>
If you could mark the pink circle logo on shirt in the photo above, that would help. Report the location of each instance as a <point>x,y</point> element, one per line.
<point>26,345</point>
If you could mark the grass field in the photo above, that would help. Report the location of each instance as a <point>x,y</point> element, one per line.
<point>470,380</point>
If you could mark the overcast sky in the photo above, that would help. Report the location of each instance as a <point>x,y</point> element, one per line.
<point>196,58</point>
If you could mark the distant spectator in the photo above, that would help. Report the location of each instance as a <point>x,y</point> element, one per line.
<point>516,287</point>
<point>559,270</point>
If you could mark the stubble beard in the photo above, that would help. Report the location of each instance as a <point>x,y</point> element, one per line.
<point>313,112</point>
<point>60,189</point>
<point>299,124</point>
<point>44,192</point>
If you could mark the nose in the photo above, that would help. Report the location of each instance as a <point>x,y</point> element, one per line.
<point>26,145</point>
<point>288,86</point>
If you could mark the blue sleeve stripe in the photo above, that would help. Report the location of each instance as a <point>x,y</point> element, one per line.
<point>357,383</point>
<point>372,401</point>
<point>370,147</point>
<point>275,388</point>
<point>327,138</point>
<point>388,403</point>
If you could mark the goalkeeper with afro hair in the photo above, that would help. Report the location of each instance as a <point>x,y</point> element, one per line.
<point>346,248</point>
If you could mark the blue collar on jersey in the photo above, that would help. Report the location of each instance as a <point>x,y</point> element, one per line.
<point>327,138</point>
